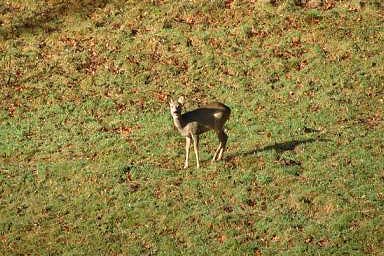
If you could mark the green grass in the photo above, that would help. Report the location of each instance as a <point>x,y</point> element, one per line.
<point>90,163</point>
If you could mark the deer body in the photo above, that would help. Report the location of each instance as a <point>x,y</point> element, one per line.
<point>191,124</point>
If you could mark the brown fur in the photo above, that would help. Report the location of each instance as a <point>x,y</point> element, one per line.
<point>193,123</point>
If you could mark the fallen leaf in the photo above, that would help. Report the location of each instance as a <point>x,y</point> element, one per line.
<point>223,238</point>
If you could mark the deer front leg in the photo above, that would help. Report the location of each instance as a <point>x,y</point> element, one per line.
<point>187,146</point>
<point>196,148</point>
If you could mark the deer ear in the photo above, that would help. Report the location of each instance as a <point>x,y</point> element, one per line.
<point>171,102</point>
<point>181,100</point>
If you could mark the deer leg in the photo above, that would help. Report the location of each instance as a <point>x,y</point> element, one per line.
<point>216,153</point>
<point>218,148</point>
<point>223,143</point>
<point>187,146</point>
<point>196,148</point>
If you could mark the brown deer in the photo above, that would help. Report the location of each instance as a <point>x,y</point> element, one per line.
<point>193,123</point>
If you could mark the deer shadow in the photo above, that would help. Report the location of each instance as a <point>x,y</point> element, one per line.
<point>279,148</point>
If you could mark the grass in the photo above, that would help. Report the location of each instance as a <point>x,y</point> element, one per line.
<point>90,163</point>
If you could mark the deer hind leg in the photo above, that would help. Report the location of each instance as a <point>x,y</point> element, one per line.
<point>216,153</point>
<point>187,146</point>
<point>219,151</point>
<point>196,148</point>
<point>218,148</point>
<point>223,137</point>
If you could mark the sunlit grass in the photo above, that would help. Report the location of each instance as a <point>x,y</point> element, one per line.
<point>90,162</point>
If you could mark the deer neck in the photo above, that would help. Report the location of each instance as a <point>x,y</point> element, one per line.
<point>179,124</point>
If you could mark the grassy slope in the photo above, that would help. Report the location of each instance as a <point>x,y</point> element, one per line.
<point>90,163</point>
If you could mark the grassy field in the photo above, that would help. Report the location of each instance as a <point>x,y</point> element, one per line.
<point>90,163</point>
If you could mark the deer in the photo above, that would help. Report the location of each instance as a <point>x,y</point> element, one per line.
<point>203,119</point>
